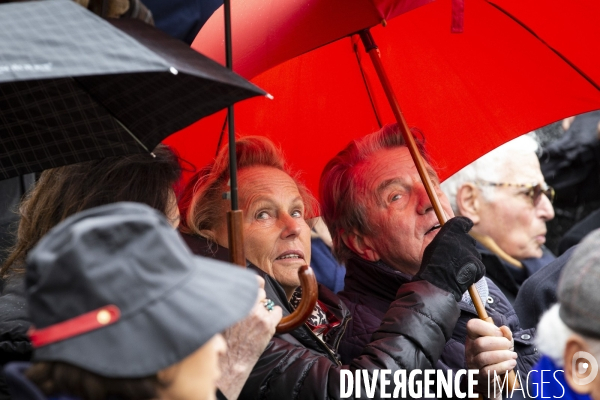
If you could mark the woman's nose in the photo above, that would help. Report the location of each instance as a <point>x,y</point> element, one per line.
<point>291,226</point>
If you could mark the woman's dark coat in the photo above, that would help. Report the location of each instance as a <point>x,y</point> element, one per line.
<point>14,323</point>
<point>411,334</point>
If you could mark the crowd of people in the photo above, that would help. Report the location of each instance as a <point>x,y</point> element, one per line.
<point>118,285</point>
<point>112,291</point>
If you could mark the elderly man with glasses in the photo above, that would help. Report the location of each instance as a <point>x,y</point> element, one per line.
<point>505,196</point>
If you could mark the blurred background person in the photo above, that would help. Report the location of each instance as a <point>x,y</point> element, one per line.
<point>61,192</point>
<point>569,332</point>
<point>120,308</point>
<point>64,191</point>
<point>570,164</point>
<point>505,195</point>
<point>328,271</point>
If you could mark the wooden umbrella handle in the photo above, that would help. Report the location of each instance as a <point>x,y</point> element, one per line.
<point>307,304</point>
<point>373,51</point>
<point>235,229</point>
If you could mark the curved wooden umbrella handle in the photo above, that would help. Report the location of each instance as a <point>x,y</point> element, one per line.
<point>307,302</point>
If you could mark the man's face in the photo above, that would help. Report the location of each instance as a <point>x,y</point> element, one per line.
<point>511,219</point>
<point>398,209</point>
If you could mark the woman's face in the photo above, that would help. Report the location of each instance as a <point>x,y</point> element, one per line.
<point>276,235</point>
<point>196,376</point>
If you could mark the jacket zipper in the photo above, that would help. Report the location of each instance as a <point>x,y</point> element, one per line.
<point>323,345</point>
<point>337,343</point>
<point>341,335</point>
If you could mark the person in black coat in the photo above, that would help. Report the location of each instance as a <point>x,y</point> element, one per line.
<point>59,193</point>
<point>578,231</point>
<point>538,292</point>
<point>382,223</point>
<point>64,191</point>
<point>304,363</point>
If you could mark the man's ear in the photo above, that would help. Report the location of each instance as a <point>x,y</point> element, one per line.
<point>578,366</point>
<point>468,202</point>
<point>360,245</point>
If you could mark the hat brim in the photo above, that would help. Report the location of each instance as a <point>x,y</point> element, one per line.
<point>211,298</point>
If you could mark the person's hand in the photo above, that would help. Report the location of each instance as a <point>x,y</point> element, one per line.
<point>488,349</point>
<point>246,341</point>
<point>451,261</point>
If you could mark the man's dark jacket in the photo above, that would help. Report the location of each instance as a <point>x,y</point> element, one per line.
<point>507,277</point>
<point>410,334</point>
<point>578,231</point>
<point>538,293</point>
<point>369,292</point>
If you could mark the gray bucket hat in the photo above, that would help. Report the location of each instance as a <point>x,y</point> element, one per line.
<point>578,288</point>
<point>115,290</point>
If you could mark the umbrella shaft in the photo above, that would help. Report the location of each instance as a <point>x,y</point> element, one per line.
<point>373,51</point>
<point>228,52</point>
<point>233,185</point>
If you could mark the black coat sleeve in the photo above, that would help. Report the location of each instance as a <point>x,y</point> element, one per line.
<point>14,322</point>
<point>412,335</point>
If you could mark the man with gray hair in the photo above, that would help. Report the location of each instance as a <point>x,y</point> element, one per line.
<point>382,221</point>
<point>506,197</point>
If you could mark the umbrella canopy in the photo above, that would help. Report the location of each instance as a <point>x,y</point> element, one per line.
<point>467,92</point>
<point>74,87</point>
<point>267,33</point>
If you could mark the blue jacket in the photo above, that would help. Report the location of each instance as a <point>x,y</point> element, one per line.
<point>554,384</point>
<point>326,268</point>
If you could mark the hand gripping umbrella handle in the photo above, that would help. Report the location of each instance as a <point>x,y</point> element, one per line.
<point>374,54</point>
<point>307,302</point>
<point>305,273</point>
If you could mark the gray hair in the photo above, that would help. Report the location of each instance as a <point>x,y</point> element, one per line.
<point>340,189</point>
<point>552,335</point>
<point>488,168</point>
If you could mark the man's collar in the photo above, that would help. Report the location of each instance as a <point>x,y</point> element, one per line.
<point>531,265</point>
<point>373,278</point>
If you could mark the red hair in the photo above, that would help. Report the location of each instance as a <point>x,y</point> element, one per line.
<point>202,205</point>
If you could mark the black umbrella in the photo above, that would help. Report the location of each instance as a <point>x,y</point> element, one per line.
<point>74,87</point>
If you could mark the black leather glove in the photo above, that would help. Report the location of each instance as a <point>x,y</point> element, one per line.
<point>451,261</point>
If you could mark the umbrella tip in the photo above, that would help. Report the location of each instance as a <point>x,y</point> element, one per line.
<point>269,96</point>
<point>173,70</point>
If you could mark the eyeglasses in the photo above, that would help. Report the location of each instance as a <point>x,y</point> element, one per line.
<point>533,190</point>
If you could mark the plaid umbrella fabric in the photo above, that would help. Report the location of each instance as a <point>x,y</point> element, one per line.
<point>74,87</point>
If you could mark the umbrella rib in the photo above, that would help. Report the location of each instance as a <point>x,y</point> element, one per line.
<point>133,136</point>
<point>565,59</point>
<point>366,83</point>
<point>221,137</point>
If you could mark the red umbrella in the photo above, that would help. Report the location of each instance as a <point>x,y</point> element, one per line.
<point>514,68</point>
<point>467,92</point>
